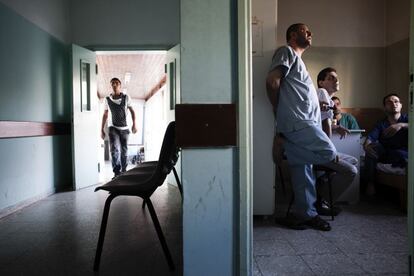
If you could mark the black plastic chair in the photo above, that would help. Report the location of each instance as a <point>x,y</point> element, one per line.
<point>142,185</point>
<point>150,166</point>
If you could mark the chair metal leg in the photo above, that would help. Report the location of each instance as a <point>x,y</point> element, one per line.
<point>160,234</point>
<point>178,182</point>
<point>330,198</point>
<point>282,181</point>
<point>290,204</point>
<point>102,232</point>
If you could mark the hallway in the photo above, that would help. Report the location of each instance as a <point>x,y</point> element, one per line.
<point>58,235</point>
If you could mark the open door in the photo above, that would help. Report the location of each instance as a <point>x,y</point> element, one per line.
<point>172,66</point>
<point>84,118</point>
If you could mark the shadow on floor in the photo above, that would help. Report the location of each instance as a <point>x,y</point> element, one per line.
<point>58,235</point>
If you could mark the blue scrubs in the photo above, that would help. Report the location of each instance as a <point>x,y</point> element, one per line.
<point>298,119</point>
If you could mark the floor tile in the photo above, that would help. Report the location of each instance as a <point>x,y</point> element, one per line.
<point>332,264</point>
<point>381,263</point>
<point>283,265</point>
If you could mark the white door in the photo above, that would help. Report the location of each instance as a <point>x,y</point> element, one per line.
<point>173,95</point>
<point>84,118</point>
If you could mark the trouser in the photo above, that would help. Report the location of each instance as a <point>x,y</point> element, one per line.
<point>396,157</point>
<point>118,140</point>
<point>303,148</point>
<point>345,172</point>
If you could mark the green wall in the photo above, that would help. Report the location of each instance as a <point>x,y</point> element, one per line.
<point>35,81</point>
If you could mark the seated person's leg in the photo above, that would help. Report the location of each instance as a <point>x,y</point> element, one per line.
<point>345,172</point>
<point>370,168</point>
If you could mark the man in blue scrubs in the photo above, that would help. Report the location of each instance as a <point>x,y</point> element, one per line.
<point>298,124</point>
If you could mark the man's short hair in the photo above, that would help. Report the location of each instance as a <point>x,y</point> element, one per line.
<point>294,28</point>
<point>322,74</point>
<point>115,79</point>
<point>389,95</point>
<point>335,98</point>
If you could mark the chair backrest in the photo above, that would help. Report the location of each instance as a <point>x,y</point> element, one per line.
<point>169,153</point>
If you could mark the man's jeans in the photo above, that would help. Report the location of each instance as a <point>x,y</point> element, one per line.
<point>118,140</point>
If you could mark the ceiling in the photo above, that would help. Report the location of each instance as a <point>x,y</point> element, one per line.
<point>146,70</point>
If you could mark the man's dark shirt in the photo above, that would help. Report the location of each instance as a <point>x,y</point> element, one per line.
<point>397,141</point>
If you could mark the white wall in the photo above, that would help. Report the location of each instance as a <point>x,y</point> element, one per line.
<point>263,119</point>
<point>51,16</point>
<point>155,124</point>
<point>336,23</point>
<point>125,22</point>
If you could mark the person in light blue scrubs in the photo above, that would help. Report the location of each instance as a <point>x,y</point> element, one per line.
<point>298,125</point>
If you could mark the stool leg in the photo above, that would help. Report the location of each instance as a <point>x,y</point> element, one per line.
<point>290,204</point>
<point>331,199</point>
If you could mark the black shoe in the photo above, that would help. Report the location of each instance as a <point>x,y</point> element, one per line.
<point>323,209</point>
<point>116,175</point>
<point>291,222</point>
<point>318,223</point>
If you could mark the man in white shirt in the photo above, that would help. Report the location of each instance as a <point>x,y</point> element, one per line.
<point>118,103</point>
<point>345,169</point>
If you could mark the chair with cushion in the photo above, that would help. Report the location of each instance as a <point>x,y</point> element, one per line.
<point>142,185</point>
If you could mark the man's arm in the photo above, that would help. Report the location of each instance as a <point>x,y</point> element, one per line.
<point>273,86</point>
<point>343,132</point>
<point>393,129</point>
<point>327,127</point>
<point>104,118</point>
<point>369,148</point>
<point>134,128</point>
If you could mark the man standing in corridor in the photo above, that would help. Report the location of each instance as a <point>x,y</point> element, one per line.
<point>118,103</point>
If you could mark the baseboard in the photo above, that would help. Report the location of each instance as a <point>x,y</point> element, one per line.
<point>16,207</point>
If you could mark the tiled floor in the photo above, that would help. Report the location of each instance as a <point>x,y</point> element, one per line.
<point>58,235</point>
<point>369,238</point>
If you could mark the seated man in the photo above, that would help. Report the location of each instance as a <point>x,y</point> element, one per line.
<point>388,141</point>
<point>345,169</point>
<point>343,119</point>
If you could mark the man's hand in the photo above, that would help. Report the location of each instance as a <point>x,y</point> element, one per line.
<point>392,130</point>
<point>324,106</point>
<point>103,134</point>
<point>134,129</point>
<point>343,132</point>
<point>370,150</point>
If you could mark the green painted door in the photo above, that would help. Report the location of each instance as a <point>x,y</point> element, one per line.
<point>85,124</point>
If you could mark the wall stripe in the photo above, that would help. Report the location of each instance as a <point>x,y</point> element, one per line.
<point>14,129</point>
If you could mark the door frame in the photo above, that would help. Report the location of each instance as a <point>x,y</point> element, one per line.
<point>244,240</point>
<point>133,50</point>
<point>410,169</point>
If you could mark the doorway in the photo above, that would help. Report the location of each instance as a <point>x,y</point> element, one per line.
<point>330,49</point>
<point>143,78</point>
